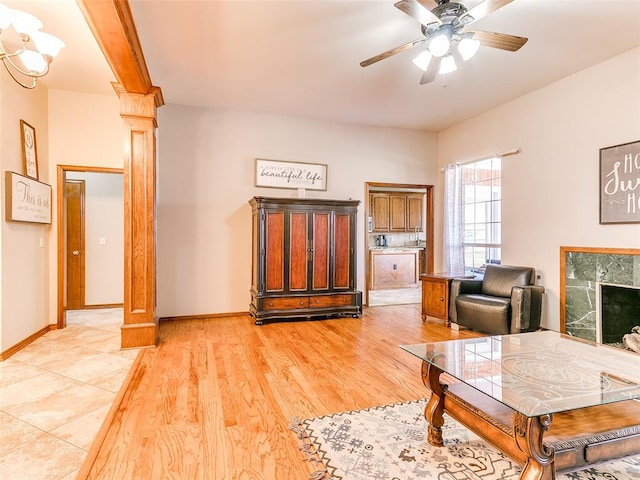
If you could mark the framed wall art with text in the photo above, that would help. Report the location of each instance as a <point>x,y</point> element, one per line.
<point>280,174</point>
<point>620,183</point>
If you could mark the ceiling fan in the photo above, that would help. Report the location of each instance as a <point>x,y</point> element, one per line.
<point>448,42</point>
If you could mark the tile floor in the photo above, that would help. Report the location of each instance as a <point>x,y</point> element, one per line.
<point>395,296</point>
<point>55,394</point>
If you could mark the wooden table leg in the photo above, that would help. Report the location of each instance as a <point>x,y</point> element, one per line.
<point>540,458</point>
<point>434,410</point>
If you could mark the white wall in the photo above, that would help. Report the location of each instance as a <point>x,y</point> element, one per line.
<point>550,191</point>
<point>24,288</point>
<point>206,169</point>
<point>104,220</point>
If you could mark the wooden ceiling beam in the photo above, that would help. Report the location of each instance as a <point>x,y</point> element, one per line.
<point>112,24</point>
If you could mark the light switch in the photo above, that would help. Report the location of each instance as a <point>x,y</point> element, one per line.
<point>41,242</point>
<point>103,241</point>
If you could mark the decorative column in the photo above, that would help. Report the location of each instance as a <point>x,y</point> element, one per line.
<point>138,111</point>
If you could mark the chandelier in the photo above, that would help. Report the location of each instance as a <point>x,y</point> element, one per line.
<point>15,44</point>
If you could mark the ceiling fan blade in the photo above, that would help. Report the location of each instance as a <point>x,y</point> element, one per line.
<point>482,10</point>
<point>417,11</point>
<point>430,73</point>
<point>502,41</point>
<point>391,52</point>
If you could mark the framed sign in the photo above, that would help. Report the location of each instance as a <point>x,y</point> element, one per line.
<point>279,174</point>
<point>27,199</point>
<point>620,183</point>
<point>29,151</point>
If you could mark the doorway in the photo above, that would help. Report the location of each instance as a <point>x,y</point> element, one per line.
<point>403,285</point>
<point>90,236</point>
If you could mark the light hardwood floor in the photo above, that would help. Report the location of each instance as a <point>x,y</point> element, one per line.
<point>215,398</point>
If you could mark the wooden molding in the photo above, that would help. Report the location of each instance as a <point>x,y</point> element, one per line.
<point>134,335</point>
<point>20,345</point>
<point>139,114</point>
<point>112,24</point>
<point>563,272</point>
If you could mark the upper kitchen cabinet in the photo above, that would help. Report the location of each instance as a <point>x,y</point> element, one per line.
<point>379,204</point>
<point>415,220</point>
<point>396,211</point>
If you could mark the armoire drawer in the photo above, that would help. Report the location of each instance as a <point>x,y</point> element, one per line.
<point>329,301</point>
<point>284,303</point>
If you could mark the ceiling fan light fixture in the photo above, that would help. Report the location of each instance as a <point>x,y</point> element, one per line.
<point>448,65</point>
<point>439,45</point>
<point>422,61</point>
<point>468,47</point>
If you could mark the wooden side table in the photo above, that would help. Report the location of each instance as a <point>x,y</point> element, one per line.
<point>435,295</point>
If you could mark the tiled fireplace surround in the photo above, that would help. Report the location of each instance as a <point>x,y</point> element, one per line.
<point>581,269</point>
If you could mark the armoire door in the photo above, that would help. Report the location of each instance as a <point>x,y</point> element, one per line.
<point>342,246</point>
<point>298,251</point>
<point>274,251</point>
<point>320,253</point>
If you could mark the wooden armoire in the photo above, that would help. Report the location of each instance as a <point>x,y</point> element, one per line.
<point>304,259</point>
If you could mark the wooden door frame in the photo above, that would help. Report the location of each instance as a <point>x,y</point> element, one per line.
<point>429,237</point>
<point>61,177</point>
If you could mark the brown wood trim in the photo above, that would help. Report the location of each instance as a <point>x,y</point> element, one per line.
<point>563,271</point>
<point>20,345</point>
<point>430,234</point>
<point>396,185</point>
<point>204,316</point>
<point>61,175</point>
<point>113,26</point>
<point>139,121</point>
<point>136,371</point>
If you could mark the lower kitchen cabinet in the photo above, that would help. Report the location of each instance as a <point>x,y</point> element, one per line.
<point>394,268</point>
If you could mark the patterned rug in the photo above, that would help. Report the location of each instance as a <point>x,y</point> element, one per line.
<point>388,443</point>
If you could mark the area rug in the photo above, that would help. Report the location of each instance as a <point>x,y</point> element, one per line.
<point>388,443</point>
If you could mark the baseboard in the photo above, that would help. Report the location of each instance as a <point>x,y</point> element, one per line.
<point>204,316</point>
<point>20,345</point>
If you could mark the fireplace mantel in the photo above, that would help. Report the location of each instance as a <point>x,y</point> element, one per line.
<point>581,270</point>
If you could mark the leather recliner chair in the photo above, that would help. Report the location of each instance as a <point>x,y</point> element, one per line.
<point>504,301</point>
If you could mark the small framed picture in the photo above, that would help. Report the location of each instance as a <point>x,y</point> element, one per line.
<point>29,151</point>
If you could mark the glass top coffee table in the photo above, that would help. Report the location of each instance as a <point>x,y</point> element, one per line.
<point>548,400</point>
